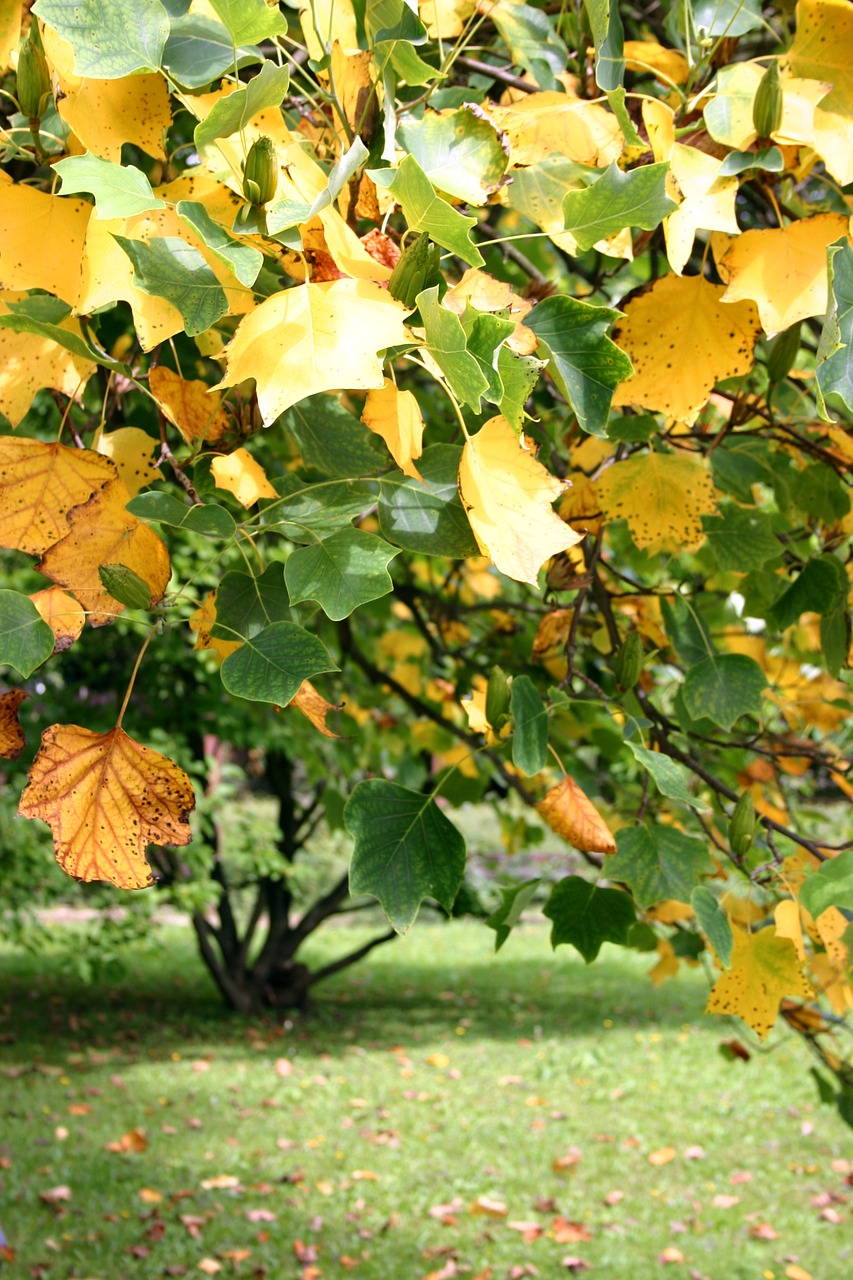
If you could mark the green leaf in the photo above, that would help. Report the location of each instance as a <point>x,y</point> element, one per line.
<point>532,41</point>
<point>584,916</point>
<point>819,491</point>
<point>459,151</point>
<point>686,630</point>
<point>199,50</point>
<point>167,267</point>
<point>290,213</point>
<point>770,159</point>
<point>426,516</point>
<point>724,688</point>
<point>668,775</point>
<point>208,519</point>
<point>816,589</point>
<point>246,605</point>
<point>585,364</point>
<point>830,886</point>
<point>270,666</point>
<point>109,40</point>
<point>658,863</point>
<point>333,441</point>
<point>515,899</point>
<point>530,726</point>
<point>426,211</point>
<point>244,260</point>
<point>518,376</point>
<point>835,636</point>
<point>635,428</point>
<point>120,191</point>
<point>20,322</point>
<point>26,640</point>
<point>741,538</point>
<point>404,850</point>
<point>537,191</point>
<point>834,363</point>
<point>230,115</point>
<point>607,35</point>
<point>634,199</point>
<point>315,510</point>
<point>726,17</point>
<point>447,344</point>
<point>485,335</point>
<point>248,21</point>
<point>340,572</point>
<point>713,922</point>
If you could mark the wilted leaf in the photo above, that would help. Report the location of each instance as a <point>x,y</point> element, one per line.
<point>314,707</point>
<point>508,497</point>
<point>570,813</point>
<point>202,620</point>
<point>105,798</point>
<point>12,740</point>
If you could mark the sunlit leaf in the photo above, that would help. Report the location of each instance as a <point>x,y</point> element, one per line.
<point>663,496</point>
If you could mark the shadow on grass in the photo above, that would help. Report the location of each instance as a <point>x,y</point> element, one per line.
<point>419,986</point>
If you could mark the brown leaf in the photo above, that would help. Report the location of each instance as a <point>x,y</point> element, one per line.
<point>12,740</point>
<point>190,406</point>
<point>39,485</point>
<point>105,798</point>
<point>314,707</point>
<point>56,1195</point>
<point>570,1232</point>
<point>569,812</point>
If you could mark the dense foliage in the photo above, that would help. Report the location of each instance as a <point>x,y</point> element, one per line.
<point>470,384</point>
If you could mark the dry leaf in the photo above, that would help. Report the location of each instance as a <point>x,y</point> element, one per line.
<point>103,532</point>
<point>663,496</point>
<point>395,416</point>
<point>570,813</point>
<point>508,495</point>
<point>190,406</point>
<point>63,614</point>
<point>134,1142</point>
<point>662,1156</point>
<point>682,339</point>
<point>39,485</point>
<point>105,798</point>
<point>314,707</point>
<point>487,1207</point>
<point>12,741</point>
<point>316,337</point>
<point>764,968</point>
<point>240,474</point>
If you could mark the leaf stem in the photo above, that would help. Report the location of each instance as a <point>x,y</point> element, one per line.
<point>132,681</point>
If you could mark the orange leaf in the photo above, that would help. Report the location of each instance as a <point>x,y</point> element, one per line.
<point>314,707</point>
<point>62,613</point>
<point>569,812</point>
<point>11,734</point>
<point>485,1206</point>
<point>663,1156</point>
<point>105,797</point>
<point>39,485</point>
<point>191,406</point>
<point>103,532</point>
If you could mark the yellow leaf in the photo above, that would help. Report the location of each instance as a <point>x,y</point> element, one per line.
<point>668,963</point>
<point>131,450</point>
<point>823,49</point>
<point>445,19</point>
<point>682,339</point>
<point>662,1156</point>
<point>103,532</point>
<point>508,497</point>
<point>541,124</point>
<point>667,65</point>
<point>708,202</point>
<point>781,269</point>
<point>12,740</point>
<point>487,1207</point>
<point>395,416</point>
<point>240,474</point>
<point>10,30</point>
<point>788,925</point>
<point>764,968</point>
<point>314,707</point>
<point>29,362</point>
<point>42,240</point>
<point>315,337</point>
<point>663,496</point>
<point>570,813</point>
<point>191,406</point>
<point>552,634</point>
<point>324,22</point>
<point>62,613</point>
<point>105,798</point>
<point>202,621</point>
<point>39,485</point>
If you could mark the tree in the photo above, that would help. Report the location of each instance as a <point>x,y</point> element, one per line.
<point>484,371</point>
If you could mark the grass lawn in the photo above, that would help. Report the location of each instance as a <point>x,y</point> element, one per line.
<point>443,1113</point>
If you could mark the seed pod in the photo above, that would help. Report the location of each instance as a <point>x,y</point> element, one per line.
<point>783,353</point>
<point>497,697</point>
<point>768,102</point>
<point>125,585</point>
<point>260,171</point>
<point>34,91</point>
<point>412,271</point>
<point>629,661</point>
<point>742,825</point>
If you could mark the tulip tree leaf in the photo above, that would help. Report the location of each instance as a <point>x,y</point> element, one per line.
<point>109,40</point>
<point>26,641</point>
<point>340,572</point>
<point>634,199</point>
<point>169,268</point>
<point>584,916</point>
<point>658,863</point>
<point>404,850</point>
<point>426,211</point>
<point>270,666</point>
<point>120,191</point>
<point>584,363</point>
<point>723,688</point>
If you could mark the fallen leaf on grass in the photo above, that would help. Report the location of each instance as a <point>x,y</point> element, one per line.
<point>695,1153</point>
<point>670,1254</point>
<point>149,1196</point>
<point>221,1182</point>
<point>663,1156</point>
<point>763,1231</point>
<point>56,1195</point>
<point>797,1273</point>
<point>487,1207</point>
<point>560,1164</point>
<point>364,1175</point>
<point>725,1202</point>
<point>446,1213</point>
<point>574,1265</point>
<point>261,1215</point>
<point>440,1060</point>
<point>134,1142</point>
<point>209,1266</point>
<point>613,1197</point>
<point>530,1231</point>
<point>570,1232</point>
<point>283,1067</point>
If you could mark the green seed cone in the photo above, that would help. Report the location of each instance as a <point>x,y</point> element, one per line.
<point>742,825</point>
<point>34,92</point>
<point>768,102</point>
<point>260,171</point>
